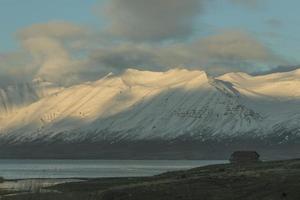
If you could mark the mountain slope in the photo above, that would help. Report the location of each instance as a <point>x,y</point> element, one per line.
<point>136,105</point>
<point>177,106</point>
<point>14,97</point>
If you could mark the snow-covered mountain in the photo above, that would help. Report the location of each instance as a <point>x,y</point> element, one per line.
<point>14,97</point>
<point>177,107</point>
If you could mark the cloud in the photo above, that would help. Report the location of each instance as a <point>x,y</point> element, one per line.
<point>278,69</point>
<point>49,55</point>
<point>247,3</point>
<point>236,46</point>
<point>155,20</point>
<point>122,56</point>
<point>219,53</point>
<point>14,68</point>
<point>73,55</point>
<point>54,29</point>
<point>50,47</point>
<point>53,51</point>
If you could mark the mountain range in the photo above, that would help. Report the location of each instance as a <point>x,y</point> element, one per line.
<point>177,114</point>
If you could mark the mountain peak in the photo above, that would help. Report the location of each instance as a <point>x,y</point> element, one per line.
<point>234,76</point>
<point>161,79</point>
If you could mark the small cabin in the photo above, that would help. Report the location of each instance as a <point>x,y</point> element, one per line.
<point>242,157</point>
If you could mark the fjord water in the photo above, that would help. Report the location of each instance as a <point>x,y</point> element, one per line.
<point>23,169</point>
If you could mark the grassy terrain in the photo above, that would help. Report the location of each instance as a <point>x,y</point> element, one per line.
<point>260,181</point>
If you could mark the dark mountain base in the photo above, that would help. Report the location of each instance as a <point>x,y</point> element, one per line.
<point>178,149</point>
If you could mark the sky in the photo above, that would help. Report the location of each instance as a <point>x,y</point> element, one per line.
<point>73,41</point>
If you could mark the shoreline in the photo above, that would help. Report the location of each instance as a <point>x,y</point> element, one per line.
<point>262,180</point>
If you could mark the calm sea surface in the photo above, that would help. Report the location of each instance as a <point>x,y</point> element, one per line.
<point>21,169</point>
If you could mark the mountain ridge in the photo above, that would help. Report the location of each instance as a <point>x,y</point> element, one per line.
<point>139,106</point>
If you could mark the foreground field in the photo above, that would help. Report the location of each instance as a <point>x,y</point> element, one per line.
<point>260,181</point>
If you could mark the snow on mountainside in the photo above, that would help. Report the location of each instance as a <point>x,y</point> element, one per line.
<point>142,105</point>
<point>283,85</point>
<point>276,95</point>
<point>16,96</point>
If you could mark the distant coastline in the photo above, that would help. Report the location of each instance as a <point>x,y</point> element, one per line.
<point>263,180</point>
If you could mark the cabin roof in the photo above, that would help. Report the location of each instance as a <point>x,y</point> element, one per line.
<point>245,153</point>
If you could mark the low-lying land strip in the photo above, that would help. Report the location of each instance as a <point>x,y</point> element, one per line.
<point>264,181</point>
